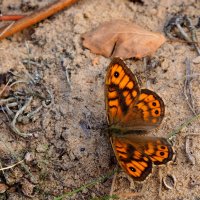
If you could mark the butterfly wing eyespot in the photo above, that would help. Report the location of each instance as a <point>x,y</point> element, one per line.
<point>151,106</point>
<point>159,151</point>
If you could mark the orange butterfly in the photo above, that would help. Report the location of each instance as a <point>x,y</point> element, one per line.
<point>131,109</point>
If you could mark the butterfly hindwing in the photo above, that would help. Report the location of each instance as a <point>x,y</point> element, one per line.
<point>159,150</point>
<point>136,154</point>
<point>133,161</point>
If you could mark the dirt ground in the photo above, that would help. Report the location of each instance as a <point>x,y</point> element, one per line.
<point>69,146</point>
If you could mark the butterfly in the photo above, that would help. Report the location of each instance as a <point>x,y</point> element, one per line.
<point>129,110</point>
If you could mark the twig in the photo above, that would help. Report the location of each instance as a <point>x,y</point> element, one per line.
<point>160,183</point>
<point>2,170</point>
<point>65,69</point>
<point>7,145</point>
<point>188,145</point>
<point>17,82</point>
<point>187,87</point>
<point>183,33</point>
<point>113,182</point>
<point>145,60</point>
<point>36,17</point>
<point>5,113</point>
<point>11,17</point>
<point>9,111</point>
<point>6,101</point>
<point>11,166</point>
<point>4,88</point>
<point>30,115</point>
<point>19,112</point>
<point>179,22</point>
<point>4,30</point>
<point>193,34</point>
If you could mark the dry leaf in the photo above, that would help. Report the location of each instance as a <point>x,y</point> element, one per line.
<point>122,39</point>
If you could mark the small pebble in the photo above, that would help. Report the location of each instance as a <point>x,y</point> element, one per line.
<point>29,157</point>
<point>3,188</point>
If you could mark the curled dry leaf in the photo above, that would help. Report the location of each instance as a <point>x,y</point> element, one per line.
<point>123,39</point>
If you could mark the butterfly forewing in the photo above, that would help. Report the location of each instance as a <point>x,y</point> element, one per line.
<point>127,107</point>
<point>121,91</point>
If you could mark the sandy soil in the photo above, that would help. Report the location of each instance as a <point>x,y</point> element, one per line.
<point>69,146</point>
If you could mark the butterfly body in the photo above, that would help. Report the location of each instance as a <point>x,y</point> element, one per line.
<point>131,109</point>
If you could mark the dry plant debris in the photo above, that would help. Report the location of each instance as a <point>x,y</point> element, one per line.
<point>33,18</point>
<point>119,38</point>
<point>187,87</point>
<point>182,27</point>
<point>17,95</point>
<point>11,17</point>
<point>189,148</point>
